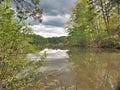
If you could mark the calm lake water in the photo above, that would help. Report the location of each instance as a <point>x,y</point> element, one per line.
<point>84,69</point>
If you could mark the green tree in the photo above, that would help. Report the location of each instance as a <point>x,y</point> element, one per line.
<point>14,45</point>
<point>95,23</point>
<point>25,9</point>
<point>107,9</point>
<point>81,32</point>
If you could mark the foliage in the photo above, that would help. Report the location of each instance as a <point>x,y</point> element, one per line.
<point>25,9</point>
<point>95,21</point>
<point>107,9</point>
<point>81,32</point>
<point>37,39</point>
<point>56,40</point>
<point>15,69</point>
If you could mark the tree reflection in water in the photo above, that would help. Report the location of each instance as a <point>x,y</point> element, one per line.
<point>95,69</point>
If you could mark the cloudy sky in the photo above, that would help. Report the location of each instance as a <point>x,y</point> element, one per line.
<point>55,15</point>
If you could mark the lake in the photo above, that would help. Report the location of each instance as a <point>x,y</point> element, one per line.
<point>81,69</point>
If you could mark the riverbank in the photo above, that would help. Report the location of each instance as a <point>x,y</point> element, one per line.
<point>93,45</point>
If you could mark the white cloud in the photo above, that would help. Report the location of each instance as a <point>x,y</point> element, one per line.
<point>49,31</point>
<point>62,18</point>
<point>54,18</point>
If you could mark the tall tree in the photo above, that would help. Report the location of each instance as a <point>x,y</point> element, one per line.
<point>107,9</point>
<point>96,21</point>
<point>25,8</point>
<point>82,19</point>
<point>14,45</point>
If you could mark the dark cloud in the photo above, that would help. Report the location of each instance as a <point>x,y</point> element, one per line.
<point>55,7</point>
<point>54,23</point>
<point>58,24</point>
<point>58,20</point>
<point>55,15</point>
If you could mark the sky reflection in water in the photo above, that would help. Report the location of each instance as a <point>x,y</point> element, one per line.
<point>84,68</point>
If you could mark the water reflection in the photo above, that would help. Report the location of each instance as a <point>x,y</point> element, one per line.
<point>85,69</point>
<point>56,58</point>
<point>58,70</point>
<point>95,69</point>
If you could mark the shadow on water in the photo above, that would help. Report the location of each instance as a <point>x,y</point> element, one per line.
<point>118,86</point>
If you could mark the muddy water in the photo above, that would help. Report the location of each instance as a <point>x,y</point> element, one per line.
<point>82,69</point>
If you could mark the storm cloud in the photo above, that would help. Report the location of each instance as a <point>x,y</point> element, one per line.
<point>57,7</point>
<point>55,15</point>
<point>58,20</point>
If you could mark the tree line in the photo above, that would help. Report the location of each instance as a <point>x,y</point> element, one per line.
<point>95,23</point>
<point>39,40</point>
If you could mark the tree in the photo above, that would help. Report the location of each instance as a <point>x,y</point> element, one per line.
<point>96,22</point>
<point>14,45</point>
<point>25,8</point>
<point>107,9</point>
<point>80,33</point>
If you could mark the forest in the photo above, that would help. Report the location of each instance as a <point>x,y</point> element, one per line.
<point>95,23</point>
<point>92,24</point>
